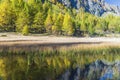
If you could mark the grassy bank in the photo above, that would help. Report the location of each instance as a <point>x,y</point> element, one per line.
<point>43,63</point>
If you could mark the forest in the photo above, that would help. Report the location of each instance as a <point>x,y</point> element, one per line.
<point>52,17</point>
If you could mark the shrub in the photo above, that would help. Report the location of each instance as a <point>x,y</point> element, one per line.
<point>25,30</point>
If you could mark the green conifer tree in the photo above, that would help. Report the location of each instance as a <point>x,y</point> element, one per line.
<point>48,24</point>
<point>25,30</point>
<point>68,27</point>
<point>22,20</point>
<point>38,23</point>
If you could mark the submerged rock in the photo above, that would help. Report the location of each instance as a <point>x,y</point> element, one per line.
<point>98,70</point>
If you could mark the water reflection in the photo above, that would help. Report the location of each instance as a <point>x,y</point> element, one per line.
<point>98,70</point>
<point>36,68</point>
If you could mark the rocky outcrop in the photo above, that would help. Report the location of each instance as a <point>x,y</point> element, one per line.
<point>96,7</point>
<point>98,70</point>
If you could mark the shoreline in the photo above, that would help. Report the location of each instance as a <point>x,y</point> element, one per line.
<point>12,39</point>
<point>58,41</point>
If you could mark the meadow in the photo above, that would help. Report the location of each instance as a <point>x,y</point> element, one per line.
<point>48,63</point>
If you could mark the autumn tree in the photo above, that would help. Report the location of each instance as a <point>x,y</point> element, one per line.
<point>91,23</point>
<point>25,30</point>
<point>22,20</point>
<point>52,17</point>
<point>48,24</point>
<point>54,1</point>
<point>104,25</point>
<point>38,23</point>
<point>57,27</point>
<point>7,16</point>
<point>83,21</point>
<point>68,27</point>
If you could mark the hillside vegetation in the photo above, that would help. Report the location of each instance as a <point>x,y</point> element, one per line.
<point>52,17</point>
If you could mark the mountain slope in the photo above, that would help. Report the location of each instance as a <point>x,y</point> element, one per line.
<point>96,7</point>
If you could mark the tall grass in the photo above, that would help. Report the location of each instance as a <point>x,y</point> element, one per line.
<point>33,63</point>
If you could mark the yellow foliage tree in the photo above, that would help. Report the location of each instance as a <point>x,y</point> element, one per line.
<point>6,16</point>
<point>48,23</point>
<point>68,27</point>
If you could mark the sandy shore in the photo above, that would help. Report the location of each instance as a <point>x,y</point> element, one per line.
<point>12,39</point>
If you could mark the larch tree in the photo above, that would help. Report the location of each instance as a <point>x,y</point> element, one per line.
<point>92,22</point>
<point>57,27</point>
<point>6,16</point>
<point>83,25</point>
<point>25,30</point>
<point>22,20</point>
<point>68,27</point>
<point>38,23</point>
<point>48,24</point>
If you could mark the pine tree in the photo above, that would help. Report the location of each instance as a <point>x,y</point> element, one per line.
<point>91,30</point>
<point>68,28</point>
<point>54,1</point>
<point>6,16</point>
<point>22,20</point>
<point>83,26</point>
<point>91,23</point>
<point>104,25</point>
<point>38,23</point>
<point>25,30</point>
<point>46,6</point>
<point>48,24</point>
<point>54,17</point>
<point>83,22</point>
<point>57,28</point>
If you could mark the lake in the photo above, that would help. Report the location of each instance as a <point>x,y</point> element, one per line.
<point>77,62</point>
